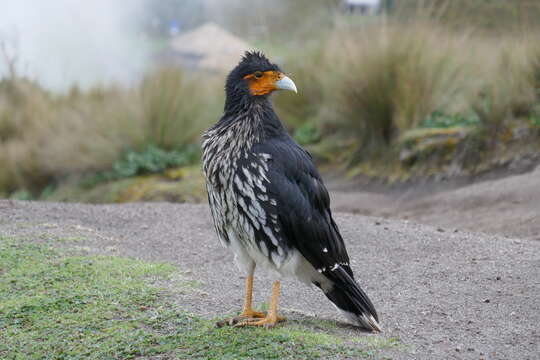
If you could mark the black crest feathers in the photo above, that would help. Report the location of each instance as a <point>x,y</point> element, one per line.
<point>254,61</point>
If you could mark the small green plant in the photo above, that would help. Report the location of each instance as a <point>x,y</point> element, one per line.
<point>22,194</point>
<point>535,116</point>
<point>151,160</point>
<point>48,191</point>
<point>307,134</point>
<point>439,119</point>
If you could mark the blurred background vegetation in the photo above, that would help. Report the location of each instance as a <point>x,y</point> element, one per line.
<point>413,89</point>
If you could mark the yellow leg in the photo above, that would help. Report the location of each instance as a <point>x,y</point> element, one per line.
<point>247,310</point>
<point>272,317</point>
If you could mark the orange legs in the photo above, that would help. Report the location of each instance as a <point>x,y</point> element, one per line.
<point>272,317</point>
<point>250,317</point>
<point>247,310</point>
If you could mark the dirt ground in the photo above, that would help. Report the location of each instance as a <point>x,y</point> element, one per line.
<point>445,294</point>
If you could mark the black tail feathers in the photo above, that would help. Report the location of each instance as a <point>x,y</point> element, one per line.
<point>352,301</point>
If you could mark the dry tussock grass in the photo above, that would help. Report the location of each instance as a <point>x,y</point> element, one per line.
<point>389,77</point>
<point>45,137</point>
<point>509,68</point>
<point>386,78</point>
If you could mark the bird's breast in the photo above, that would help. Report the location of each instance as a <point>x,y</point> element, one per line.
<point>238,192</point>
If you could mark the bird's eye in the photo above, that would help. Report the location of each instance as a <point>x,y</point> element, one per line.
<point>258,74</point>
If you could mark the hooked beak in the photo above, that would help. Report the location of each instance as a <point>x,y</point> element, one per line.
<point>286,83</point>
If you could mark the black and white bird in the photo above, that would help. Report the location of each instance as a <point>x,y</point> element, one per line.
<point>268,201</point>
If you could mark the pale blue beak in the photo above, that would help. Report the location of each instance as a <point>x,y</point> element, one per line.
<point>286,84</point>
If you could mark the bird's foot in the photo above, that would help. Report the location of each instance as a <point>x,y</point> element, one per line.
<point>246,315</point>
<point>268,322</point>
<point>252,314</point>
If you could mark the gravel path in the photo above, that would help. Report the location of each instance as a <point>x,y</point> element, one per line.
<point>444,294</point>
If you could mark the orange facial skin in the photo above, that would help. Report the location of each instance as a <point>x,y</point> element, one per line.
<point>265,83</point>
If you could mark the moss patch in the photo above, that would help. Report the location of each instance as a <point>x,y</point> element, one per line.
<point>185,184</point>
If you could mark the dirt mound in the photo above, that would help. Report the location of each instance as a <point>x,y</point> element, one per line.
<point>508,206</point>
<point>210,47</point>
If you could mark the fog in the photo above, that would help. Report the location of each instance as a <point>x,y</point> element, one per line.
<point>61,43</point>
<point>65,42</point>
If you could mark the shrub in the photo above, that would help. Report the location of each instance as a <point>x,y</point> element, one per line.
<point>390,77</point>
<point>510,87</point>
<point>24,114</point>
<point>308,71</point>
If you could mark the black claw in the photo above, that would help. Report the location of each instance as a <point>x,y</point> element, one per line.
<point>221,323</point>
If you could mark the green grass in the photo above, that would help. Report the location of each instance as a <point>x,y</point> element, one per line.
<point>75,307</point>
<point>285,342</point>
<point>55,306</point>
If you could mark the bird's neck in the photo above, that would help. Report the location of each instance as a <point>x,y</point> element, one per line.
<point>257,114</point>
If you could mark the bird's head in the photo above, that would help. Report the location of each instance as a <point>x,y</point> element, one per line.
<point>255,77</point>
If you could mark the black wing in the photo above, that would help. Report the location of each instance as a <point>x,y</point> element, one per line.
<point>303,204</point>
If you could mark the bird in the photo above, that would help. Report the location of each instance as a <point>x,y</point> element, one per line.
<point>268,202</point>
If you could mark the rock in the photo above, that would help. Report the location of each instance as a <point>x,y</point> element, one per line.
<point>420,143</point>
